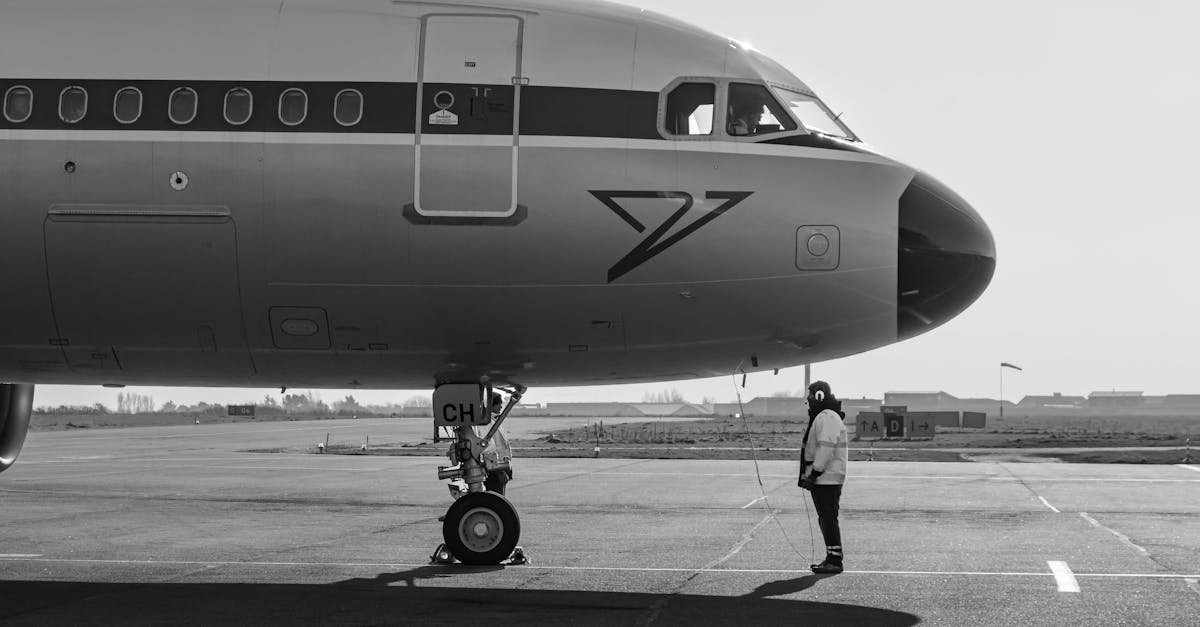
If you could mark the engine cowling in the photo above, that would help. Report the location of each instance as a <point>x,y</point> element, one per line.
<point>16,407</point>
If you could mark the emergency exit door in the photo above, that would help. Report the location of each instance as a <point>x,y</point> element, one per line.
<point>468,105</point>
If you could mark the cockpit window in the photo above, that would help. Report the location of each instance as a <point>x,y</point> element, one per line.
<point>813,114</point>
<point>690,109</point>
<point>754,111</point>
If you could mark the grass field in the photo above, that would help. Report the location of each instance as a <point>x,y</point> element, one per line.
<point>62,422</point>
<point>1006,432</point>
<point>775,438</point>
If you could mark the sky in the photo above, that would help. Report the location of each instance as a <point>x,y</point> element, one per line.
<point>1071,126</point>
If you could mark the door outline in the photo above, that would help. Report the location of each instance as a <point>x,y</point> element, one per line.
<point>518,80</point>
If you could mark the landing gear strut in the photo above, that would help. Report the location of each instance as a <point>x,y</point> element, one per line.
<point>481,527</point>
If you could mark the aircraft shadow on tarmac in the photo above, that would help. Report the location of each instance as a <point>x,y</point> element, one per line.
<point>400,598</point>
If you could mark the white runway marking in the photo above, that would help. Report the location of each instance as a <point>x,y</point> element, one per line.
<point>1064,577</point>
<point>19,555</point>
<point>753,502</point>
<point>767,571</point>
<point>1120,536</point>
<point>874,477</point>
<point>1047,504</point>
<point>1196,468</point>
<point>1193,584</point>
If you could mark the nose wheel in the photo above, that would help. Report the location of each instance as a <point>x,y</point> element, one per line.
<point>481,528</point>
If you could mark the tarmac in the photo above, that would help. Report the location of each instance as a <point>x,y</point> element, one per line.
<point>182,525</point>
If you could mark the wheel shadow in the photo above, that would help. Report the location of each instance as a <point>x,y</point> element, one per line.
<point>427,595</point>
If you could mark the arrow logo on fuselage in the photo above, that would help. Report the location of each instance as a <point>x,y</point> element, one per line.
<point>654,243</point>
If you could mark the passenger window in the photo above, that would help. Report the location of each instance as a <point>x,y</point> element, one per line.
<point>293,107</point>
<point>72,104</point>
<point>127,105</point>
<point>753,111</point>
<point>348,107</point>
<point>182,108</point>
<point>239,105</point>
<point>690,109</point>
<point>18,104</point>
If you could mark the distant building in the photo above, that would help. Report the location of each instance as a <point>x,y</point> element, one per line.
<point>671,409</point>
<point>1181,401</point>
<point>591,409</point>
<point>1054,401</point>
<point>922,401</point>
<point>852,407</point>
<point>942,401</point>
<point>1110,400</point>
<point>766,407</point>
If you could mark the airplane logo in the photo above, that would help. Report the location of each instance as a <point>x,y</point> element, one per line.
<point>650,247</point>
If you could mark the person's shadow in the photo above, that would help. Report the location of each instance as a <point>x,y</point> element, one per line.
<point>785,586</point>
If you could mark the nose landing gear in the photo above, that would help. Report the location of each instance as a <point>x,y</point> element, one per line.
<point>481,527</point>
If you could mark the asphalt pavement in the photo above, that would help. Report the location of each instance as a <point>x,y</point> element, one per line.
<point>183,525</point>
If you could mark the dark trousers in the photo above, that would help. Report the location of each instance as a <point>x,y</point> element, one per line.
<point>826,499</point>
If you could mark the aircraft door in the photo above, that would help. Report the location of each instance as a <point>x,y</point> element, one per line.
<point>468,105</point>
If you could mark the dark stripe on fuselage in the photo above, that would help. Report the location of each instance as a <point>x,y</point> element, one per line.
<point>387,108</point>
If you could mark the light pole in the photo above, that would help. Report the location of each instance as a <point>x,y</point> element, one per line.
<point>1003,365</point>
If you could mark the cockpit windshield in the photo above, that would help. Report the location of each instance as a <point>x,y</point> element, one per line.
<point>813,113</point>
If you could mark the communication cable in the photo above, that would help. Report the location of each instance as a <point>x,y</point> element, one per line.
<point>763,490</point>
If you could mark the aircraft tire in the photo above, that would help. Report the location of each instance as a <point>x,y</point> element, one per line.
<point>481,528</point>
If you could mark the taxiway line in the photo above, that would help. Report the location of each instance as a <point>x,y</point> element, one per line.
<point>751,503</point>
<point>1120,536</point>
<point>1064,577</point>
<point>1196,468</point>
<point>898,477</point>
<point>937,573</point>
<point>1047,504</point>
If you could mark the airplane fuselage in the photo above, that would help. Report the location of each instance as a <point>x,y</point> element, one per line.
<point>434,192</point>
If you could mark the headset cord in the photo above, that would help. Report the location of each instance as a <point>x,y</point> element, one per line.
<point>762,489</point>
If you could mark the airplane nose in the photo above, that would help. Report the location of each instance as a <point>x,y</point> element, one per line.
<point>946,256</point>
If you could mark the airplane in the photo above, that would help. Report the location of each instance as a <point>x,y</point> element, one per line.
<point>471,196</point>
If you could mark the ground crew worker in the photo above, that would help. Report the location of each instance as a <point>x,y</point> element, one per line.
<point>823,469</point>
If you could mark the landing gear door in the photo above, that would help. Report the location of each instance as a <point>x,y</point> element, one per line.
<point>468,106</point>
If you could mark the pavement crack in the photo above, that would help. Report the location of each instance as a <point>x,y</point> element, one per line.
<point>1124,540</point>
<point>574,475</point>
<point>1193,585</point>
<point>1028,487</point>
<point>655,609</point>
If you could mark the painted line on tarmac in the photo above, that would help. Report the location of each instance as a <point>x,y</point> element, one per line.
<point>19,555</point>
<point>1120,536</point>
<point>751,571</point>
<point>873,477</point>
<point>1196,468</point>
<point>737,547</point>
<point>1064,577</point>
<point>1047,504</point>
<point>1193,585</point>
<point>747,505</point>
